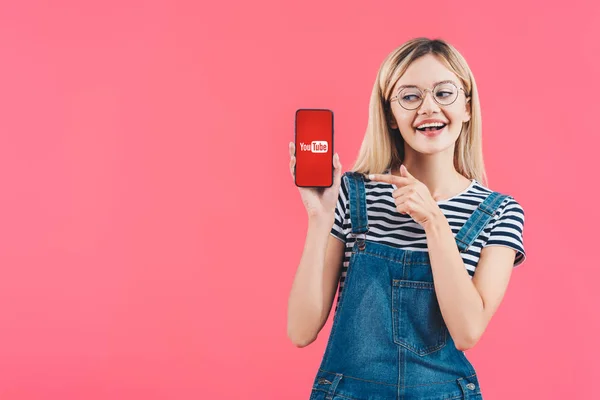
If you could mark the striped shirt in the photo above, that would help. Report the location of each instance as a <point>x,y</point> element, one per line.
<point>388,226</point>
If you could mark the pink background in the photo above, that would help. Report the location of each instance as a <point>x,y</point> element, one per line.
<point>150,228</point>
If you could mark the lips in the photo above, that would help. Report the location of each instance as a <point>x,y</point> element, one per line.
<point>431,133</point>
<point>429,129</point>
<point>430,121</point>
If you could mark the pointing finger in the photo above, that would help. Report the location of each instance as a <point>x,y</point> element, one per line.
<point>388,178</point>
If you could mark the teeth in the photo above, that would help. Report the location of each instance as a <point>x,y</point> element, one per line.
<point>433,124</point>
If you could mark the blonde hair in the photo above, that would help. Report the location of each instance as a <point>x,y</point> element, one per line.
<point>383,147</point>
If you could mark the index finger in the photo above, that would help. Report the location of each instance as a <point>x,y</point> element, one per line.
<point>389,178</point>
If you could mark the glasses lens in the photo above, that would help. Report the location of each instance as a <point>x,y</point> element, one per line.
<point>445,93</point>
<point>410,98</point>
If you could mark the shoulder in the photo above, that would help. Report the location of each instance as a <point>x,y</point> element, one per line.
<point>509,204</point>
<point>506,227</point>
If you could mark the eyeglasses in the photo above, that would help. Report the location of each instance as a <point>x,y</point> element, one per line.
<point>411,97</point>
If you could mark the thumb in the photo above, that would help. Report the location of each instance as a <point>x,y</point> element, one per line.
<point>404,172</point>
<point>337,175</point>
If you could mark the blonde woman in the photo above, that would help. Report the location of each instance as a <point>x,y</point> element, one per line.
<point>422,250</point>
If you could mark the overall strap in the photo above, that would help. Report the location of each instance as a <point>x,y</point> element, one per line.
<point>358,202</point>
<point>478,220</point>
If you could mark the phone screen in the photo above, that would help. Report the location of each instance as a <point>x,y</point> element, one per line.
<point>314,148</point>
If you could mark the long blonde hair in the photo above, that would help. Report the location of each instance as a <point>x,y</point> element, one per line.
<point>383,147</point>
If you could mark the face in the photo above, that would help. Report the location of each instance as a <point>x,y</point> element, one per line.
<point>424,72</point>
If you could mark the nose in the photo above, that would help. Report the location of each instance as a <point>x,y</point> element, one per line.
<point>429,105</point>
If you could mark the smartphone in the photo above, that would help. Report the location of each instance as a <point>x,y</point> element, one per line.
<point>314,147</point>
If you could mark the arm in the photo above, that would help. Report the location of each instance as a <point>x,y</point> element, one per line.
<point>467,305</point>
<point>315,283</point>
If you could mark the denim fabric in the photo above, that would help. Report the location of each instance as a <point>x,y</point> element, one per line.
<point>388,339</point>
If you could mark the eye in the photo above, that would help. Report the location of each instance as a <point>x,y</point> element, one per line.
<point>438,94</point>
<point>406,98</point>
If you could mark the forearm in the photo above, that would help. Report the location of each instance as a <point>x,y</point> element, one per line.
<point>460,302</point>
<point>305,302</point>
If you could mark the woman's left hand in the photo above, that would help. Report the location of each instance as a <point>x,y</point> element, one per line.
<point>412,196</point>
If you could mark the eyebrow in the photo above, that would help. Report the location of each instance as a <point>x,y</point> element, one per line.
<point>436,83</point>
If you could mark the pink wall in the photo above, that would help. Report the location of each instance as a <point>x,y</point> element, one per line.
<point>150,229</point>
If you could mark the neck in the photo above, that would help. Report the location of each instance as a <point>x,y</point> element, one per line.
<point>437,172</point>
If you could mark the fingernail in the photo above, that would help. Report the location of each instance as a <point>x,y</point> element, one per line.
<point>371,176</point>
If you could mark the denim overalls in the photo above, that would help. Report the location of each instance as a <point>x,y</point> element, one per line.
<point>388,339</point>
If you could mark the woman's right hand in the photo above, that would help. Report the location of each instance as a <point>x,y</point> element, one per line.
<point>319,201</point>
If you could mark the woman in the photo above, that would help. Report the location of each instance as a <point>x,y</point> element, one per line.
<point>421,248</point>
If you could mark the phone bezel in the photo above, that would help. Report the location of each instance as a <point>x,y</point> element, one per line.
<point>296,143</point>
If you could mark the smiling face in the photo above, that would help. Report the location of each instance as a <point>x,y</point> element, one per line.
<point>424,73</point>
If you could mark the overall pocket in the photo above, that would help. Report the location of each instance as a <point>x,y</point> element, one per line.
<point>417,320</point>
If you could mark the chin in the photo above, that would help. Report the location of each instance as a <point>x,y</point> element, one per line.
<point>430,150</point>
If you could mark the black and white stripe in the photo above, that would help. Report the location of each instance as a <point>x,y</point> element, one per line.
<point>388,226</point>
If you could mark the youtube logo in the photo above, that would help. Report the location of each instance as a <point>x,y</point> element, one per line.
<point>317,146</point>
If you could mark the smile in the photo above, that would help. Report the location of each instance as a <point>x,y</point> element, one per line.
<point>432,133</point>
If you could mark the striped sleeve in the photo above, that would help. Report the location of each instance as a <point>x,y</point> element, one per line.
<point>507,230</point>
<point>341,222</point>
